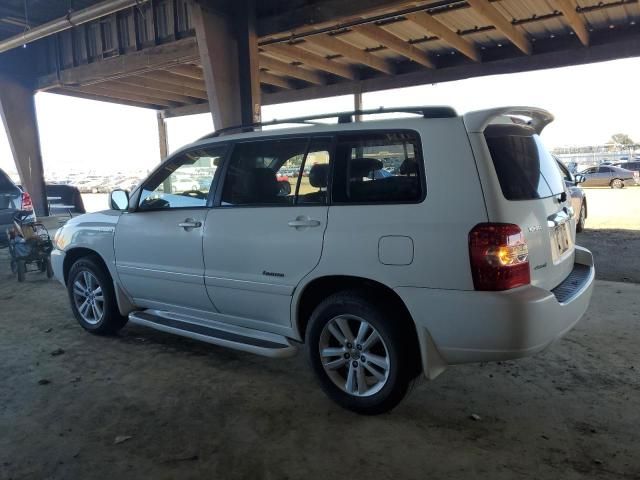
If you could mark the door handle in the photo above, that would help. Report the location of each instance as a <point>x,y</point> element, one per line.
<point>303,222</point>
<point>189,224</point>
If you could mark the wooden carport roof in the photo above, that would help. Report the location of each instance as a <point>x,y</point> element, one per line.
<point>350,47</point>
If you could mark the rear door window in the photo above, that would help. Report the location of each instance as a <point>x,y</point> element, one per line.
<point>525,169</point>
<point>278,172</point>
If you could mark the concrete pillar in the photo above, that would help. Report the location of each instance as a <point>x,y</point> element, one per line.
<point>18,111</point>
<point>229,55</point>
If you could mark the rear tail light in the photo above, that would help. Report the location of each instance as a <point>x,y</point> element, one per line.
<point>27,204</point>
<point>499,256</point>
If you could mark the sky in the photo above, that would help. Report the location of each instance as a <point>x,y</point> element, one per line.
<point>590,103</point>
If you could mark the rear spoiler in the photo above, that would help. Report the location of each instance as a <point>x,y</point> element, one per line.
<point>537,118</point>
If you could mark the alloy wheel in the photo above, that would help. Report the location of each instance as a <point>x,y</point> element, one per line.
<point>88,297</point>
<point>354,355</point>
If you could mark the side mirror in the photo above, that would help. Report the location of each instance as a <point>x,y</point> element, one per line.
<point>119,200</point>
<point>579,179</point>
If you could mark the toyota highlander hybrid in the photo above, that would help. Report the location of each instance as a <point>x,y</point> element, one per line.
<point>403,246</point>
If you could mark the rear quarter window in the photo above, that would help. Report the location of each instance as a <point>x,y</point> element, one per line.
<point>525,169</point>
<point>378,167</point>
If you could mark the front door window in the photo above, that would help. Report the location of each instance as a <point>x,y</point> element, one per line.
<point>184,182</point>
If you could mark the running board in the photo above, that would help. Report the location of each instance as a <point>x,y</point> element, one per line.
<point>231,336</point>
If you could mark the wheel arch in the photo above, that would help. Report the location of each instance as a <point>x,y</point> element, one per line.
<point>125,303</point>
<point>72,255</point>
<point>320,288</point>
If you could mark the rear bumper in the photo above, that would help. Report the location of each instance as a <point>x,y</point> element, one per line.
<point>471,326</point>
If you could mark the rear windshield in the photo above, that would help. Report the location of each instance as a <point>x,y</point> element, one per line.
<point>525,169</point>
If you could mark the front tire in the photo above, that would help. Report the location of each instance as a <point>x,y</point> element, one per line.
<point>360,353</point>
<point>92,297</point>
<point>617,183</point>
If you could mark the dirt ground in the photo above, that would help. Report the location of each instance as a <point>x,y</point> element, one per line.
<point>149,405</point>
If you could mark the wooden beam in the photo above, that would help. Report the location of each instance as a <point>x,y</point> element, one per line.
<point>574,19</point>
<point>276,81</point>
<point>173,79</point>
<point>315,15</point>
<point>355,54</point>
<point>106,92</point>
<point>429,23</point>
<point>493,16</point>
<point>123,87</point>
<point>389,40</point>
<point>291,70</point>
<point>99,98</point>
<point>311,60</point>
<point>189,71</point>
<point>605,46</point>
<point>196,109</point>
<point>157,57</point>
<point>153,84</point>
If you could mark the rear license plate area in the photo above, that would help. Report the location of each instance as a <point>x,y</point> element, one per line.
<point>561,239</point>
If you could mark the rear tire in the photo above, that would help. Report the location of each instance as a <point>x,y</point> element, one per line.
<point>581,219</point>
<point>360,374</point>
<point>92,297</point>
<point>617,183</point>
<point>22,270</point>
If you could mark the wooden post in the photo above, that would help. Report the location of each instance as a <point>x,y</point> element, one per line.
<point>357,105</point>
<point>162,136</point>
<point>18,111</point>
<point>229,57</point>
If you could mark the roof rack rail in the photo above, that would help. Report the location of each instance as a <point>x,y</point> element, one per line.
<point>343,117</point>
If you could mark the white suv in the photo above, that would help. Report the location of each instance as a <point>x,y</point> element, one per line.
<point>401,247</point>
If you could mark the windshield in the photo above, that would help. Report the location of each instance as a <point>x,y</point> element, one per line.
<point>525,169</point>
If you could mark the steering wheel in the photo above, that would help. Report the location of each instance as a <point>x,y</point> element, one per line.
<point>194,194</point>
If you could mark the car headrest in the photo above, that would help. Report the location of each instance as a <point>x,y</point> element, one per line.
<point>263,184</point>
<point>362,167</point>
<point>409,167</point>
<point>319,175</point>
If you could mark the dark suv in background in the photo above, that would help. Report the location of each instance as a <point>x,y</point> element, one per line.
<point>12,201</point>
<point>578,197</point>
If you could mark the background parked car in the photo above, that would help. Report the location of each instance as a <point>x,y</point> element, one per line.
<point>578,197</point>
<point>607,176</point>
<point>633,165</point>
<point>64,199</point>
<point>12,201</point>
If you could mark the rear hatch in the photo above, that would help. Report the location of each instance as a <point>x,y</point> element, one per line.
<point>523,186</point>
<point>10,200</point>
